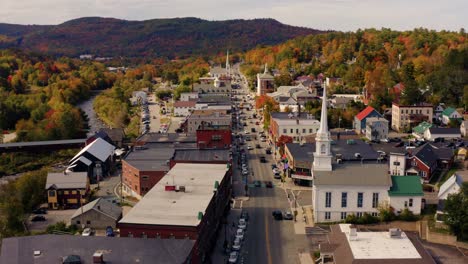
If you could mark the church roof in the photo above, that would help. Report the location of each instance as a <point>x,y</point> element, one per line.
<point>354,174</point>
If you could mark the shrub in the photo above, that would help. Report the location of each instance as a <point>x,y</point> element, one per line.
<point>407,215</point>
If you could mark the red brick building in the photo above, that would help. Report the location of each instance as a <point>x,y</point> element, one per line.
<point>188,203</point>
<point>206,156</point>
<point>212,136</point>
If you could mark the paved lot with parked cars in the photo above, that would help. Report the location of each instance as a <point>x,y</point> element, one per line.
<point>52,217</point>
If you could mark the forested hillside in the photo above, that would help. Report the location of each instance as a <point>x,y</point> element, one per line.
<point>38,94</point>
<point>177,37</point>
<point>432,65</point>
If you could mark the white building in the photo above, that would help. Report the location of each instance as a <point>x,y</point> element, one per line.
<point>343,188</point>
<point>376,128</point>
<point>464,128</point>
<point>295,125</point>
<point>188,96</point>
<point>439,132</point>
<point>450,114</point>
<point>184,108</point>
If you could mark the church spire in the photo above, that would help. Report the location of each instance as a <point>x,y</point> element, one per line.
<point>322,155</point>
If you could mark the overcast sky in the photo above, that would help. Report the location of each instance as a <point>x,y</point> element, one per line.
<point>321,14</point>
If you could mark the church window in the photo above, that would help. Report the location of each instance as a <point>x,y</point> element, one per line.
<point>322,149</point>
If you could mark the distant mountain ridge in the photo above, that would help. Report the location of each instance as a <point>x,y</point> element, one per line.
<point>155,38</point>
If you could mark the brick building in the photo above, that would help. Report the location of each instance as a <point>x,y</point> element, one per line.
<point>212,117</point>
<point>188,203</point>
<point>212,136</point>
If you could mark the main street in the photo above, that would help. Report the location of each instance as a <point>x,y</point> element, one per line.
<point>266,240</point>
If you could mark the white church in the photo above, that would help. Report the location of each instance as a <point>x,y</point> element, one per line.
<point>341,188</point>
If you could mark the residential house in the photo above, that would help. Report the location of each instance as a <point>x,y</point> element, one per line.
<point>406,193</point>
<point>438,111</point>
<point>434,133</point>
<point>66,190</point>
<point>184,108</point>
<point>464,128</point>
<point>193,199</point>
<point>295,125</point>
<point>376,128</point>
<point>450,114</point>
<point>95,159</point>
<point>360,119</point>
<point>405,117</point>
<point>420,130</point>
<point>461,154</point>
<point>265,82</point>
<point>451,186</point>
<point>424,160</point>
<point>341,101</point>
<point>97,214</point>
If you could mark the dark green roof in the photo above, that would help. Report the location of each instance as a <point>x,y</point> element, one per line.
<point>421,128</point>
<point>406,186</point>
<point>448,111</point>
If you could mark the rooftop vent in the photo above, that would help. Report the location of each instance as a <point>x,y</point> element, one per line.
<point>170,188</point>
<point>37,253</point>
<point>357,155</point>
<point>394,233</point>
<point>353,234</point>
<point>98,257</point>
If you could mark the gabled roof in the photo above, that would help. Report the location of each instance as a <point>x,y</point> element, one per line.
<point>406,186</point>
<point>453,180</point>
<point>448,111</point>
<point>99,148</point>
<point>444,131</point>
<point>364,113</point>
<point>71,180</point>
<point>102,206</point>
<point>421,128</point>
<point>426,154</point>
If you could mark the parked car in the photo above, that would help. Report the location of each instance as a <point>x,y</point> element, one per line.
<point>277,215</point>
<point>257,184</point>
<point>38,218</point>
<point>109,231</point>
<point>269,184</point>
<point>277,176</point>
<point>236,245</point>
<point>287,215</point>
<point>233,257</point>
<point>258,146</point>
<point>249,147</point>
<point>240,234</point>
<point>268,151</point>
<point>399,144</point>
<point>273,166</point>
<point>263,159</point>
<point>244,215</point>
<point>87,232</point>
<point>242,224</point>
<point>40,211</point>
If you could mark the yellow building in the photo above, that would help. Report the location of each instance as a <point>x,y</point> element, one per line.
<point>67,190</point>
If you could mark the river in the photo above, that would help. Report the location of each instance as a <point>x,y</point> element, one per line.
<point>93,121</point>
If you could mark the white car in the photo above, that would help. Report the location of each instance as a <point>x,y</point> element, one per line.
<point>242,224</point>
<point>276,171</point>
<point>385,140</point>
<point>240,234</point>
<point>87,232</point>
<point>246,132</point>
<point>237,244</point>
<point>249,147</point>
<point>233,257</point>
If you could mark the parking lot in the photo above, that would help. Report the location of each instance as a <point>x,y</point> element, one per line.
<point>52,217</point>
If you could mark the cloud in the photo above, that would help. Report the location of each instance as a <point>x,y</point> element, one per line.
<point>328,14</point>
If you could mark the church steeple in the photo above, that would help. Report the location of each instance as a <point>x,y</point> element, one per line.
<point>228,66</point>
<point>322,155</point>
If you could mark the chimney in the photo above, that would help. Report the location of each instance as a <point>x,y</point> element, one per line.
<point>98,257</point>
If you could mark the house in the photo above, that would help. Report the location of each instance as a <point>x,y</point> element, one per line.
<point>451,186</point>
<point>464,128</point>
<point>438,111</point>
<point>360,119</point>
<point>346,244</point>
<point>265,82</point>
<point>116,135</point>
<point>450,114</point>
<point>193,199</point>
<point>295,125</point>
<point>376,128</point>
<point>66,190</point>
<point>420,130</point>
<point>434,133</point>
<point>341,101</point>
<point>184,108</point>
<point>405,117</point>
<point>406,193</point>
<point>461,154</point>
<point>97,214</point>
<point>96,159</point>
<point>115,250</point>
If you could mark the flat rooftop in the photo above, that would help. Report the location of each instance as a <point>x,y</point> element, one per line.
<point>160,207</point>
<point>374,247</point>
<point>201,155</point>
<point>378,245</point>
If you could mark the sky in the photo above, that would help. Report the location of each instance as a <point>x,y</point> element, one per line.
<point>344,15</point>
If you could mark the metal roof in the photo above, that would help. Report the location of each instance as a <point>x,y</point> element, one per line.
<point>70,180</point>
<point>160,207</point>
<point>99,148</point>
<point>100,205</point>
<point>406,186</point>
<point>202,155</point>
<point>116,250</point>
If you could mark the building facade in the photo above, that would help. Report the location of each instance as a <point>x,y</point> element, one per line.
<point>295,125</point>
<point>67,190</point>
<point>376,128</point>
<point>184,108</point>
<point>405,117</point>
<point>208,117</point>
<point>360,120</point>
<point>265,82</point>
<point>219,137</point>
